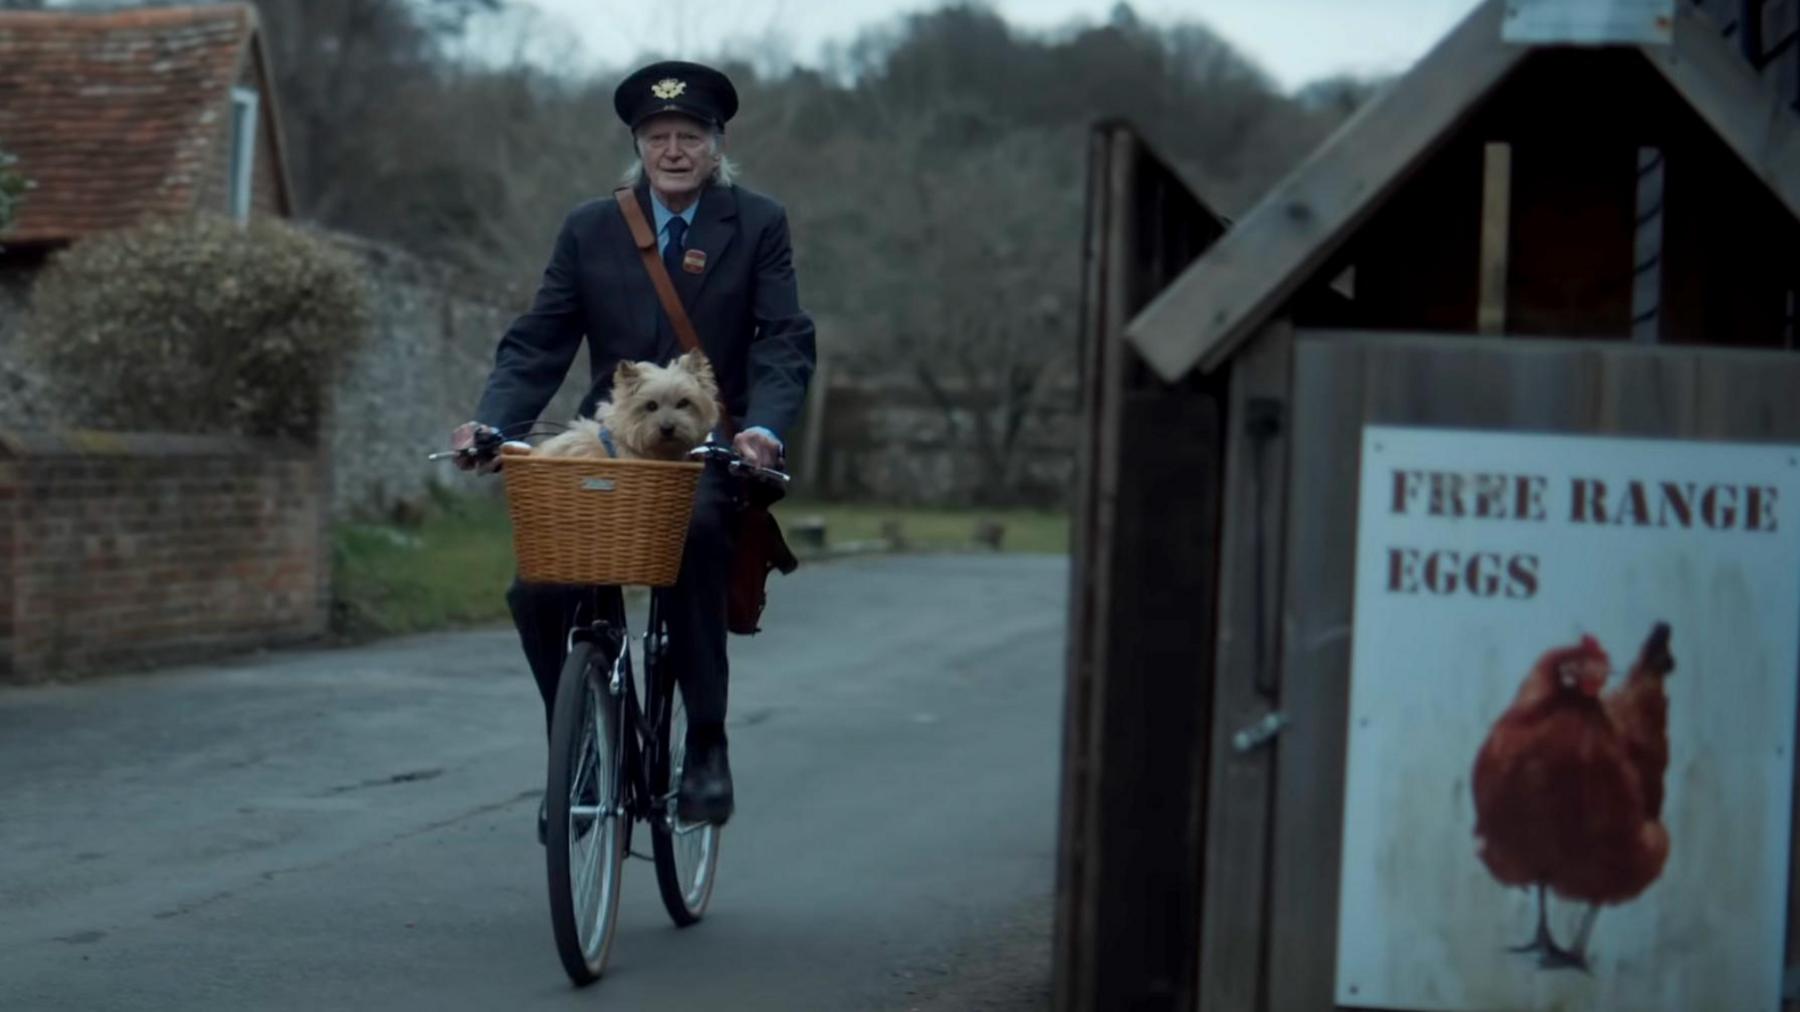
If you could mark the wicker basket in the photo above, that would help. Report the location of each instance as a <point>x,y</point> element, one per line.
<point>584,521</point>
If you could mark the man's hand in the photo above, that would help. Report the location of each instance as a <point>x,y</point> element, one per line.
<point>463,437</point>
<point>758,447</point>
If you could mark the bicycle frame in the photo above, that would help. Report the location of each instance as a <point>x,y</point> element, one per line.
<point>642,720</point>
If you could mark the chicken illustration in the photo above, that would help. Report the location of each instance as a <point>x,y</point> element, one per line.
<point>1628,859</point>
<point>1562,802</point>
<point>1639,708</point>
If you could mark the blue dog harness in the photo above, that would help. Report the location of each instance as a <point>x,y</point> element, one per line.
<point>606,441</point>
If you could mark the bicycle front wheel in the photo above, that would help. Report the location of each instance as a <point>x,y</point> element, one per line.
<point>585,844</point>
<point>687,854</point>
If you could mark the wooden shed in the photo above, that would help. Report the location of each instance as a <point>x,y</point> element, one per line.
<point>1593,238</point>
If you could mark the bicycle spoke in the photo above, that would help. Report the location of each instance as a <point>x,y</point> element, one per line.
<point>596,878</point>
<point>583,869</point>
<point>582,893</point>
<point>697,849</point>
<point>590,893</point>
<point>582,771</point>
<point>581,858</point>
<point>687,851</point>
<point>587,827</point>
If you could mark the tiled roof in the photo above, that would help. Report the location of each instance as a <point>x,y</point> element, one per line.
<point>115,115</point>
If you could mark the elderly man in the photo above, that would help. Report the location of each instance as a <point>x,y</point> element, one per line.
<point>727,250</point>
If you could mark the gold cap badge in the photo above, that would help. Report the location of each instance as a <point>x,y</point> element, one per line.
<point>668,88</point>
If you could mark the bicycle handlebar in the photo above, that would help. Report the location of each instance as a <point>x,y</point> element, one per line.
<point>738,465</point>
<point>485,446</point>
<point>487,442</point>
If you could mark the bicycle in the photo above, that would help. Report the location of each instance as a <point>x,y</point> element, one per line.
<point>616,761</point>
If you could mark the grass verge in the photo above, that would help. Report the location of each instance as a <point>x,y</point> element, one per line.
<point>452,568</point>
<point>931,529</point>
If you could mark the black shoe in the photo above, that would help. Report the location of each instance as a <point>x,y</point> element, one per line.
<point>705,784</point>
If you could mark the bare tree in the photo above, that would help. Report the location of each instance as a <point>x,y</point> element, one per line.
<point>974,300</point>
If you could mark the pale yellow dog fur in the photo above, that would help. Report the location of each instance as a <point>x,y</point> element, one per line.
<point>656,413</point>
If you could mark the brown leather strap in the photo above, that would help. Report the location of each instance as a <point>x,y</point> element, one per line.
<point>645,238</point>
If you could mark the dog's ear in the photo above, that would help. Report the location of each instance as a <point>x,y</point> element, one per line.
<point>627,376</point>
<point>700,367</point>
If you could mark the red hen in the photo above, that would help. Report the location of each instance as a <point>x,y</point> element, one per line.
<point>1558,802</point>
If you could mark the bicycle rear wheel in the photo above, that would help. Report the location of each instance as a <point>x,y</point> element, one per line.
<point>687,854</point>
<point>585,847</point>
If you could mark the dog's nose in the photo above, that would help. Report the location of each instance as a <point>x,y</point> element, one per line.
<point>668,431</point>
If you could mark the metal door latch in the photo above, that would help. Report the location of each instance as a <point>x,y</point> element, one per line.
<point>1260,733</point>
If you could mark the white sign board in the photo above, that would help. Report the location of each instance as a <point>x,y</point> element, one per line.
<point>1492,749</point>
<point>1588,22</point>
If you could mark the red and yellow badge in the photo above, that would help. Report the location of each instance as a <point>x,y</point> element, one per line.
<point>694,261</point>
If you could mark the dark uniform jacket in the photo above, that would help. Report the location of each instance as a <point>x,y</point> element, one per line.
<point>744,305</point>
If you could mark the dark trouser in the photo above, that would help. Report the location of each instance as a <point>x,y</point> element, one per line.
<point>694,609</point>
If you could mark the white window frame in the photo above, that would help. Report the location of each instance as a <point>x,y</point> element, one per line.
<point>244,103</point>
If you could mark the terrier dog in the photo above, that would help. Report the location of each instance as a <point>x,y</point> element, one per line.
<point>655,413</point>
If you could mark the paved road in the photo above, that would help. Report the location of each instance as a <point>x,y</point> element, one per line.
<point>353,829</point>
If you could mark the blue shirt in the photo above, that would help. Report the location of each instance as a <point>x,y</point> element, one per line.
<point>661,215</point>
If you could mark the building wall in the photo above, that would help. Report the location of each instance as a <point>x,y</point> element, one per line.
<point>889,441</point>
<point>24,400</point>
<point>126,551</point>
<point>418,376</point>
<point>265,183</point>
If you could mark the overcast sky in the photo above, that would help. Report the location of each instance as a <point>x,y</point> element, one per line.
<point>1294,40</point>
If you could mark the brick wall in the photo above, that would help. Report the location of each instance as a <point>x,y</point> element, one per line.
<point>127,551</point>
